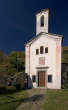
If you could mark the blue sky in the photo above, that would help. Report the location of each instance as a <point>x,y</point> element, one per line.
<point>17,21</point>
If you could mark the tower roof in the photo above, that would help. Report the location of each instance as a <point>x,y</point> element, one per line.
<point>41,11</point>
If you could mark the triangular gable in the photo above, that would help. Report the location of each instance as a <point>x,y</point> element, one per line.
<point>42,33</point>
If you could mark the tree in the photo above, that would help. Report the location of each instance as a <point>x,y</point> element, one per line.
<point>17,59</point>
<point>3,75</point>
<point>1,56</point>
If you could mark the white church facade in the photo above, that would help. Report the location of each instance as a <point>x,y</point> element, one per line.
<point>43,56</point>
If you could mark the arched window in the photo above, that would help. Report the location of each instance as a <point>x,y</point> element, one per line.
<point>41,49</point>
<point>46,50</point>
<point>42,21</point>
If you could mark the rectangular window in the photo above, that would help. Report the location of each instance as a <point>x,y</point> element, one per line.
<point>46,50</point>
<point>37,51</point>
<point>33,78</point>
<point>42,21</point>
<point>41,49</point>
<point>49,78</point>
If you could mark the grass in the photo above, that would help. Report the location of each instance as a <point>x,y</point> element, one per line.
<point>11,101</point>
<point>56,100</point>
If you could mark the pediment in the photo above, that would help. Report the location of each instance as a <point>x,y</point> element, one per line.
<point>48,35</point>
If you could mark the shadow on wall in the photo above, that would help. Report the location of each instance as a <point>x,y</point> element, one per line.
<point>29,82</point>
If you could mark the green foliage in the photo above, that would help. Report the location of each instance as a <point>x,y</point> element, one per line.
<point>11,101</point>
<point>17,59</point>
<point>65,80</point>
<point>65,62</point>
<point>3,74</point>
<point>10,64</point>
<point>65,55</point>
<point>21,80</point>
<point>1,56</point>
<point>7,89</point>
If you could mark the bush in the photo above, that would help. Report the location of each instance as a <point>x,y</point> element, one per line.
<point>65,80</point>
<point>21,81</point>
<point>2,89</point>
<point>11,89</point>
<point>7,89</point>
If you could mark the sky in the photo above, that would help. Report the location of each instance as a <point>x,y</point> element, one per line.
<point>18,23</point>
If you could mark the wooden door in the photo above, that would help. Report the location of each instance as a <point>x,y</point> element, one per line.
<point>41,78</point>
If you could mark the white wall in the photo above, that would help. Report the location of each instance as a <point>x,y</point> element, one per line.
<point>27,59</point>
<point>50,59</point>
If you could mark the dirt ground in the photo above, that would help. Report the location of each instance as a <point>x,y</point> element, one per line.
<point>34,100</point>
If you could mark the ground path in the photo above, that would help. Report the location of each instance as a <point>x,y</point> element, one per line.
<point>34,100</point>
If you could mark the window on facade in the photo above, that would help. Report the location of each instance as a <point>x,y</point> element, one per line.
<point>42,21</point>
<point>41,49</point>
<point>49,78</point>
<point>37,51</point>
<point>46,50</point>
<point>33,78</point>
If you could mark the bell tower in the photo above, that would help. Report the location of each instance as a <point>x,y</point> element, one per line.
<point>42,21</point>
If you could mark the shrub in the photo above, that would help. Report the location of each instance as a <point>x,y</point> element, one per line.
<point>7,89</point>
<point>11,89</point>
<point>2,89</point>
<point>65,80</point>
<point>21,81</point>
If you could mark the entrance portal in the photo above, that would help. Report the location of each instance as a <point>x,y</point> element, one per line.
<point>41,79</point>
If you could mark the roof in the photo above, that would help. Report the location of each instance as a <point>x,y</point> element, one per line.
<point>43,10</point>
<point>41,34</point>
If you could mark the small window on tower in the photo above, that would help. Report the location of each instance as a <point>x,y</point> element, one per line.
<point>46,50</point>
<point>41,49</point>
<point>37,51</point>
<point>42,21</point>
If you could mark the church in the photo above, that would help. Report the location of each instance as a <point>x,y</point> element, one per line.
<point>43,55</point>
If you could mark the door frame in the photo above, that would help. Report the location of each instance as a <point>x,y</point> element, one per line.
<point>40,70</point>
